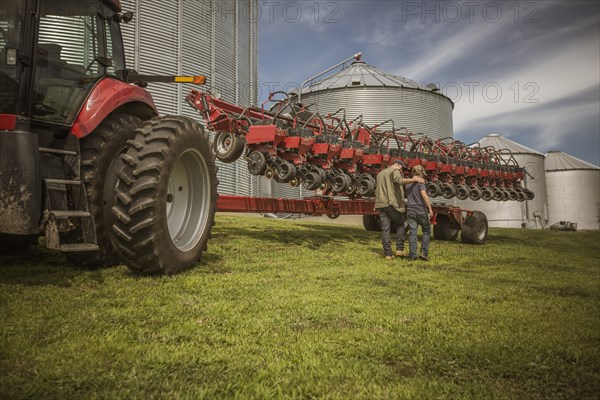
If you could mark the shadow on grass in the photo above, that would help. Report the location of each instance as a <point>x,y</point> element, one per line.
<point>210,263</point>
<point>40,266</point>
<point>313,235</point>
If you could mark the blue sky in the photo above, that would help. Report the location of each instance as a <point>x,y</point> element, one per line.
<point>528,70</point>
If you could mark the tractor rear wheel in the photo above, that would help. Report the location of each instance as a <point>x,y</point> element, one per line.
<point>100,163</point>
<point>166,201</point>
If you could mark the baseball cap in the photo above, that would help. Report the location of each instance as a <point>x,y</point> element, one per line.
<point>399,161</point>
<point>418,170</point>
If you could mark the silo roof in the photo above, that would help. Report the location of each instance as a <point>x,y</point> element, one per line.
<point>360,74</point>
<point>559,161</point>
<point>500,142</point>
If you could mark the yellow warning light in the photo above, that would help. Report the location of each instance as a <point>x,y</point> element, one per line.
<point>197,80</point>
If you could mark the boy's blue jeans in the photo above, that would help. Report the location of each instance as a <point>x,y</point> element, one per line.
<point>414,220</point>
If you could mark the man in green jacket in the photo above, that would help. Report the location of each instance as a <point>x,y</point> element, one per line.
<point>389,201</point>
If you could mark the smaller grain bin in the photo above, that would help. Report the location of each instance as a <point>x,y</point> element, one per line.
<point>512,214</point>
<point>573,190</point>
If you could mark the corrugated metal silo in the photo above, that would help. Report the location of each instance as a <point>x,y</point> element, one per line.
<point>511,214</point>
<point>216,38</point>
<point>573,190</point>
<point>378,96</point>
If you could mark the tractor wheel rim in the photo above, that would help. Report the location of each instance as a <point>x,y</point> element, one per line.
<point>189,200</point>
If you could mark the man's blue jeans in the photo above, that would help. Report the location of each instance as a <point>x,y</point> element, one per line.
<point>414,220</point>
<point>387,215</point>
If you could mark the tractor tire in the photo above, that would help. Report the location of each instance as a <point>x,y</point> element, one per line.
<point>100,163</point>
<point>167,197</point>
<point>474,229</point>
<point>443,229</point>
<point>13,243</point>
<point>228,147</point>
<point>371,223</point>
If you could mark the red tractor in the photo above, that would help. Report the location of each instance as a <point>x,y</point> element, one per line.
<point>82,148</point>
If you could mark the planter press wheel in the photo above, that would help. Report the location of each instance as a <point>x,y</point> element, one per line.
<point>257,163</point>
<point>487,194</point>
<point>462,192</point>
<point>433,189</point>
<point>475,193</point>
<point>448,190</point>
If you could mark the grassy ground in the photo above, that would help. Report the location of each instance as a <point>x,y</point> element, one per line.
<point>284,309</point>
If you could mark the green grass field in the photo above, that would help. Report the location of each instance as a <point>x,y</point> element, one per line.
<point>294,309</point>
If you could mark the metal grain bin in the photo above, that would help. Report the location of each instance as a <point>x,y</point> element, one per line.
<point>378,96</point>
<point>573,190</point>
<point>512,214</point>
<point>216,38</point>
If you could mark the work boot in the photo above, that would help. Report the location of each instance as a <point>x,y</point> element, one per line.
<point>422,256</point>
<point>400,253</point>
<point>389,258</point>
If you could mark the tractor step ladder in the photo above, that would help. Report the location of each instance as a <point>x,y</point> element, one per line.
<point>69,224</point>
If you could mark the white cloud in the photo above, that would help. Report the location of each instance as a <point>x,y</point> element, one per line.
<point>453,47</point>
<point>558,75</point>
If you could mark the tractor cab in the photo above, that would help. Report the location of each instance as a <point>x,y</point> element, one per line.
<point>52,53</point>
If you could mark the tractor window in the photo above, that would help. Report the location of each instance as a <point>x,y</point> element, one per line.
<point>10,36</point>
<point>74,51</point>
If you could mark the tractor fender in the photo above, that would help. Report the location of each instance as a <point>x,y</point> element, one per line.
<point>108,95</point>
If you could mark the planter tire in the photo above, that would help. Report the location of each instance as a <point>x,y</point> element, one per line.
<point>474,229</point>
<point>443,229</point>
<point>372,223</point>
<point>166,201</point>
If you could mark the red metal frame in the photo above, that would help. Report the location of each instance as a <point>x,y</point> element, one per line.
<point>341,158</point>
<point>320,205</point>
<point>8,122</point>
